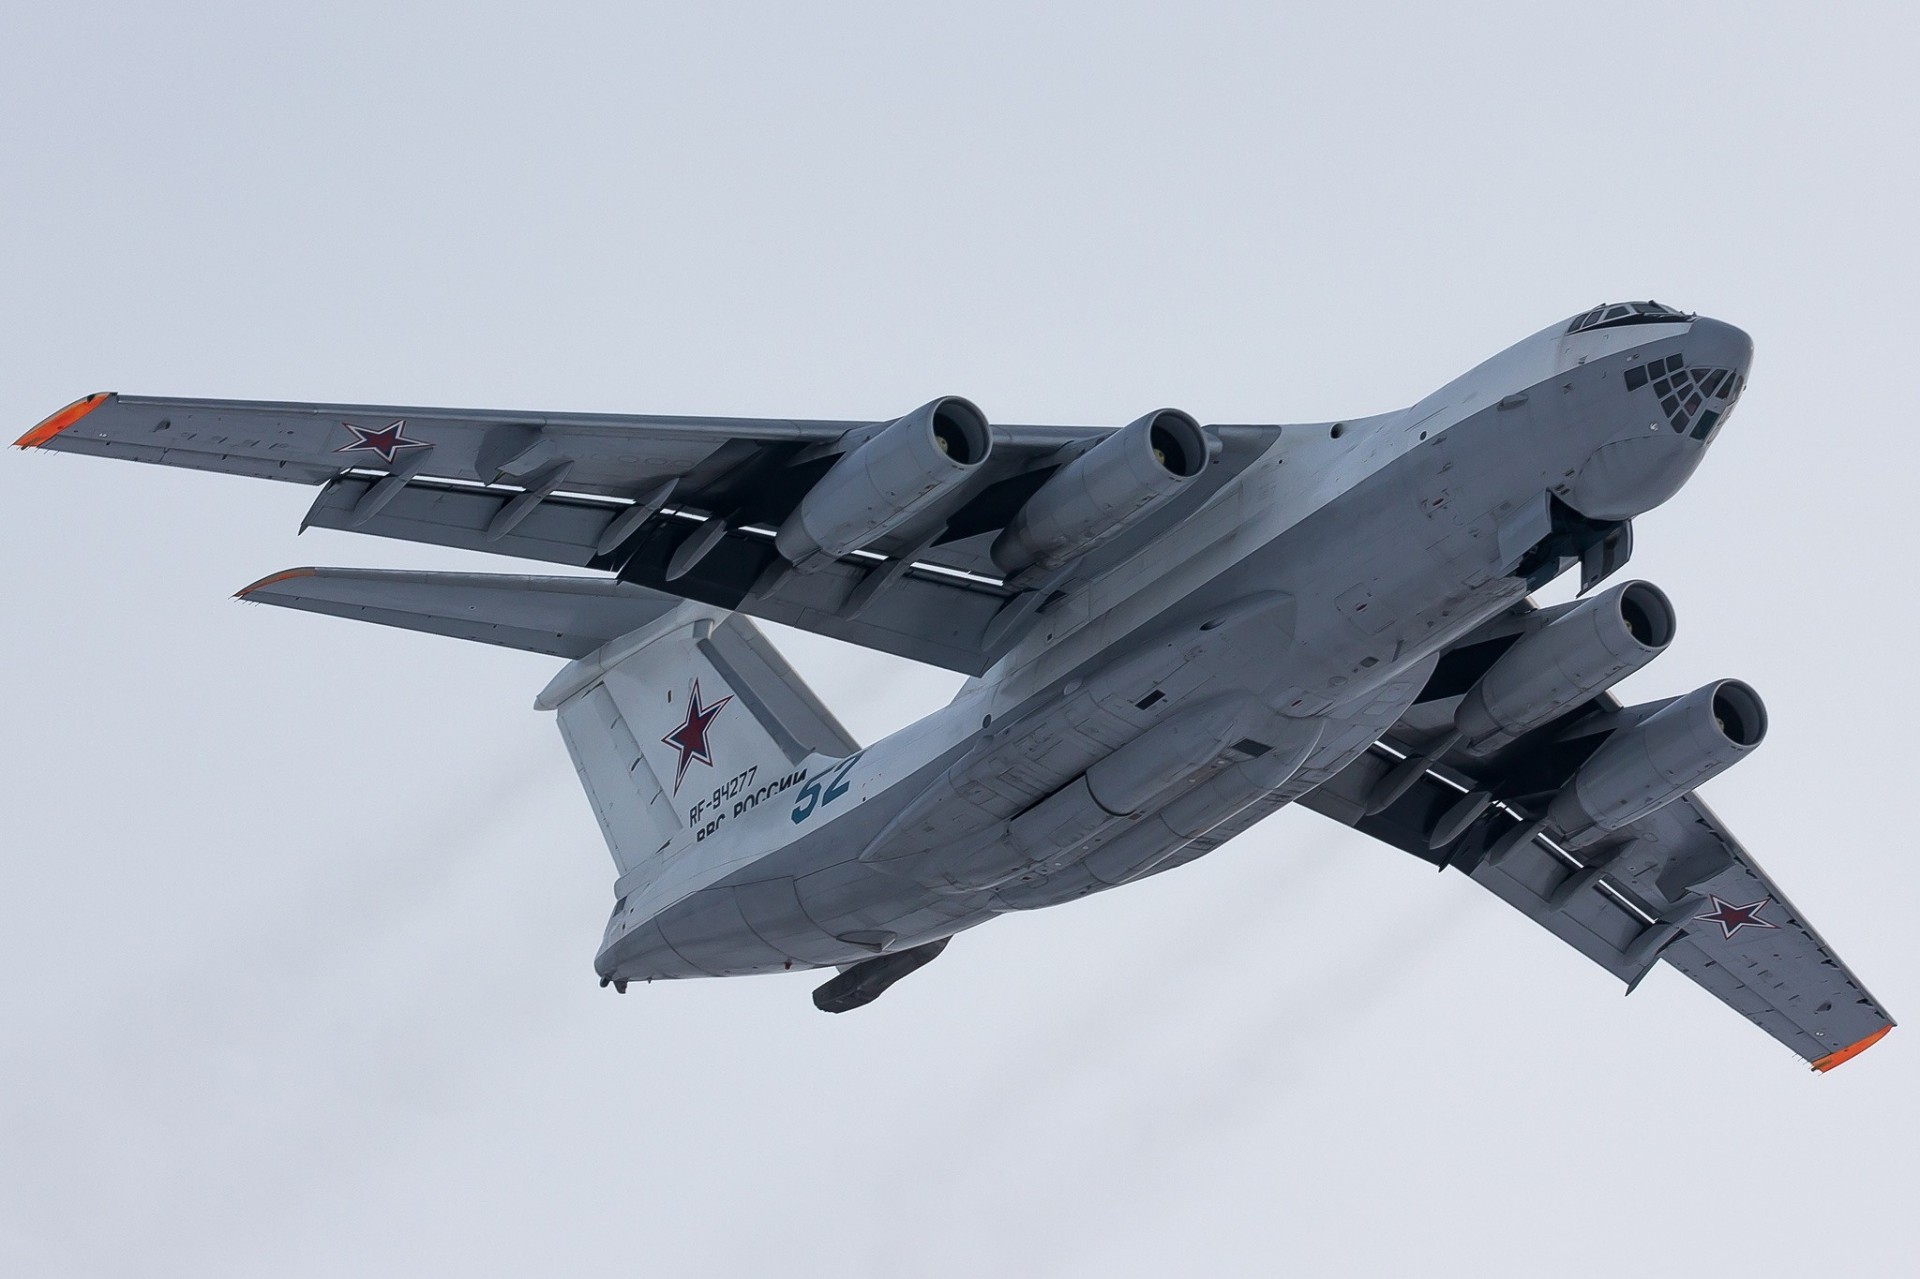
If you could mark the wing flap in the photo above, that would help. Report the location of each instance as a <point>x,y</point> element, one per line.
<point>559,530</point>
<point>926,614</point>
<point>1599,926</point>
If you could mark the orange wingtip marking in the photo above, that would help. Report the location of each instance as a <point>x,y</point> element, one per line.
<point>1851,1051</point>
<point>270,579</point>
<point>61,421</point>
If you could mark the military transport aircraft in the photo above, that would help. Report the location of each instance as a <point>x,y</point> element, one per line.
<point>1172,631</point>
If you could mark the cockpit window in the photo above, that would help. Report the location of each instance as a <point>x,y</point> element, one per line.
<point>1603,317</point>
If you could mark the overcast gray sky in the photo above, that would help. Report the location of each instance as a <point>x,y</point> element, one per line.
<point>297,917</point>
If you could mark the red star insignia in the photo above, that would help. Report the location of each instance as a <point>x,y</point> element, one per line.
<point>1733,918</point>
<point>690,739</point>
<point>387,441</point>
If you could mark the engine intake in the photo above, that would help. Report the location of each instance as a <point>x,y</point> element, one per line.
<point>1580,654</point>
<point>1641,769</point>
<point>904,470</point>
<point>1103,492</point>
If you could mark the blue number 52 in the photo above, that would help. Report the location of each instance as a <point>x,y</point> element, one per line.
<point>811,796</point>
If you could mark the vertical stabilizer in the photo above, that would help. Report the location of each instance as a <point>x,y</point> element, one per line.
<point>669,723</point>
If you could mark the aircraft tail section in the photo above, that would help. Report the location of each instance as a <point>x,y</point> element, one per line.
<point>672,710</point>
<point>677,723</point>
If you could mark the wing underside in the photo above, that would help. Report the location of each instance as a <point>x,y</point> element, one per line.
<point>682,505</point>
<point>1674,886</point>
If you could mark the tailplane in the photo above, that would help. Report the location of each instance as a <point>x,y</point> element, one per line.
<point>676,713</point>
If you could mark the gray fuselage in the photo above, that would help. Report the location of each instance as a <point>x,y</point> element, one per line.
<point>1252,653</point>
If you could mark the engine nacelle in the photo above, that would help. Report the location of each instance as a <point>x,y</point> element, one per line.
<point>1103,492</point>
<point>909,466</point>
<point>1580,654</point>
<point>1640,769</point>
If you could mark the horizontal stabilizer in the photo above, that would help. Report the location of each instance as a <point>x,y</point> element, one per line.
<point>561,616</point>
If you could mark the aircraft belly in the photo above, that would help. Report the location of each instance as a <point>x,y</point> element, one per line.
<point>764,927</point>
<point>642,954</point>
<point>708,931</point>
<point>851,898</point>
<point>771,908</point>
<point>1374,583</point>
<point>1381,579</point>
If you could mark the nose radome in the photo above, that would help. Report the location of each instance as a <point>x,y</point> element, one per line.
<point>1716,344</point>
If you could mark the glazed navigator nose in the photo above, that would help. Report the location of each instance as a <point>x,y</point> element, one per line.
<point>1685,396</point>
<point>1701,394</point>
<point>1692,389</point>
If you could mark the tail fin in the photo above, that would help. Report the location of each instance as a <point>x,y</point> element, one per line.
<point>668,723</point>
<point>665,703</point>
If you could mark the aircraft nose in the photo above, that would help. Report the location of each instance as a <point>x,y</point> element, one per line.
<point>1697,386</point>
<point>1715,344</point>
<point>1694,389</point>
<point>1718,355</point>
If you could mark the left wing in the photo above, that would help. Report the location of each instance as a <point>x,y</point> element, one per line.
<point>1674,885</point>
<point>684,505</point>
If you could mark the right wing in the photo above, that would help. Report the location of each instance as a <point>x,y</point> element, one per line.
<point>624,493</point>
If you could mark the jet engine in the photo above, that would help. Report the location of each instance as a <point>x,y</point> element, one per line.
<point>1104,492</point>
<point>1685,743</point>
<point>1580,654</point>
<point>908,467</point>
